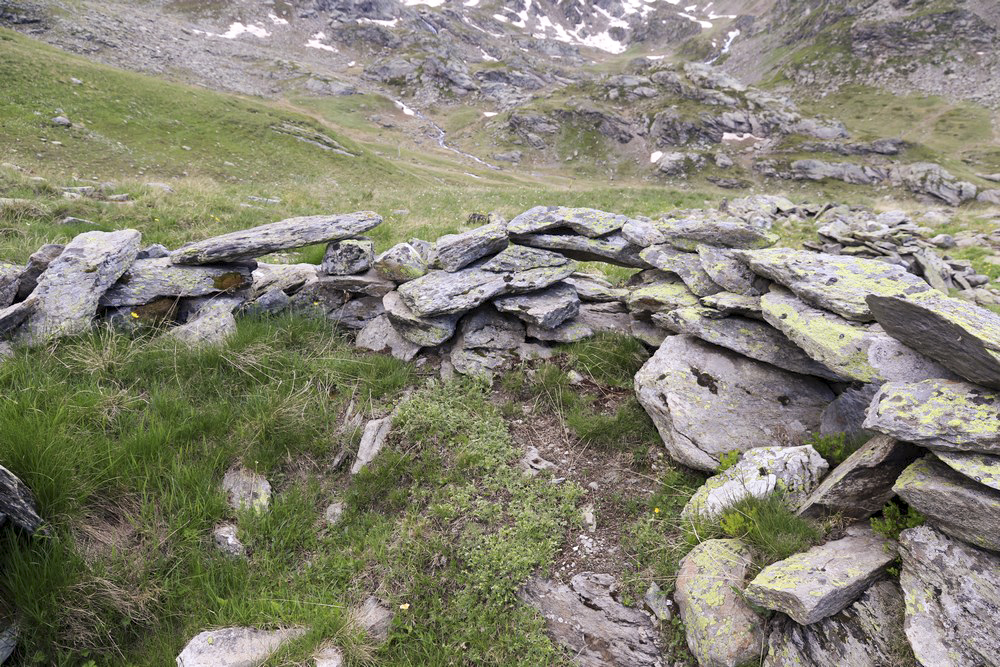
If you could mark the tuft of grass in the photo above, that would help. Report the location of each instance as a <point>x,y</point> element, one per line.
<point>896,517</point>
<point>609,358</point>
<point>836,447</point>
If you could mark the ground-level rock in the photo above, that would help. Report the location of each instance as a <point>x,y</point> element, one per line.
<point>954,503</point>
<point>861,485</point>
<point>212,324</point>
<point>547,308</point>
<point>235,647</point>
<point>722,630</point>
<point>379,335</point>
<point>707,401</point>
<point>17,502</point>
<point>372,440</point>
<point>227,540</point>
<point>246,489</point>
<point>374,618</point>
<point>820,582</point>
<point>952,593</point>
<point>422,331</point>
<point>596,629</point>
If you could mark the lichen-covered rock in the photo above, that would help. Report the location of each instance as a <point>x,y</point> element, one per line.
<point>212,323</point>
<point>246,489</point>
<point>604,317</point>
<point>861,485</point>
<point>17,502</point>
<point>487,329</point>
<point>751,338</point>
<point>515,258</point>
<point>368,284</point>
<point>227,540</point>
<point>148,279</point>
<point>289,278</point>
<point>547,308</point>
<point>480,362</point>
<point>854,351</point>
<point>68,292</point>
<point>954,503</point>
<point>707,401</point>
<point>10,279</point>
<point>422,331</point>
<point>357,313</point>
<point>729,303</point>
<point>687,265</point>
<point>820,582</point>
<point>37,263</point>
<point>613,248</point>
<point>846,415</point>
<point>586,221</point>
<point>938,414</point>
<point>982,468</point>
<point>379,335</point>
<point>794,471</point>
<point>666,295</point>
<point>597,630</point>
<point>952,593</point>
<point>836,283</point>
<point>401,263</point>
<point>722,630</point>
<point>730,273</point>
<point>689,231</point>
<point>962,336</point>
<point>284,235</point>
<point>235,647</point>
<point>864,634</point>
<point>456,251</point>
<point>347,257</point>
<point>595,288</point>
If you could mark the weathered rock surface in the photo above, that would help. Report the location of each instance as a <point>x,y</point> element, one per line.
<point>690,231</point>
<point>820,582</point>
<point>687,265</point>
<point>379,335</point>
<point>368,284</point>
<point>284,235</point>
<point>962,336</point>
<point>149,279</point>
<point>847,413</point>
<point>286,277</point>
<point>730,303</point>
<point>487,329</point>
<point>795,471</point>
<point>982,468</point>
<point>612,248</point>
<point>833,282</point>
<point>212,323</point>
<point>865,634</point>
<point>706,401</point>
<point>69,290</point>
<point>401,263</point>
<point>594,288</point>
<point>372,440</point>
<point>344,258</point>
<point>10,279</point>
<point>665,295</point>
<point>374,618</point>
<point>852,350</point>
<point>586,221</point>
<point>246,489</point>
<point>235,647</point>
<point>952,593</point>
<point>547,308</point>
<point>861,485</point>
<point>938,414</point>
<point>722,630</point>
<point>954,503</point>
<point>423,331</point>
<point>37,263</point>
<point>17,502</point>
<point>751,338</point>
<point>456,251</point>
<point>227,540</point>
<point>585,618</point>
<point>730,273</point>
<point>357,313</point>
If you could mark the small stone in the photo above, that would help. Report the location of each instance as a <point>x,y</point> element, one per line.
<point>374,618</point>
<point>333,512</point>
<point>235,647</point>
<point>348,257</point>
<point>246,490</point>
<point>372,440</point>
<point>227,542</point>
<point>401,263</point>
<point>658,603</point>
<point>62,121</point>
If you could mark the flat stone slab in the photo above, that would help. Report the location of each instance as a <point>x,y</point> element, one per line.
<point>379,335</point>
<point>866,633</point>
<point>211,325</point>
<point>289,278</point>
<point>689,231</point>
<point>598,630</point>
<point>954,503</point>
<point>422,331</point>
<point>284,235</point>
<point>707,401</point>
<point>960,335</point>
<point>235,647</point>
<point>487,329</point>
<point>730,303</point>
<point>720,627</point>
<point>952,593</point>
<point>595,289</point>
<point>938,414</point>
<point>861,485</point>
<point>547,308</point>
<point>730,273</point>
<point>455,251</point>
<point>854,351</point>
<point>822,581</point>
<point>751,338</point>
<point>613,248</point>
<point>400,263</point>
<point>795,471</point>
<point>982,468</point>
<point>372,440</point>
<point>665,295</point>
<point>585,221</point>
<point>148,279</point>
<point>837,283</point>
<point>69,290</point>
<point>246,489</point>
<point>687,265</point>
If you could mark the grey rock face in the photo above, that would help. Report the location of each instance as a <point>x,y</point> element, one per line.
<point>212,324</point>
<point>932,179</point>
<point>751,338</point>
<point>861,485</point>
<point>604,317</point>
<point>379,335</point>
<point>516,258</point>
<point>585,221</point>
<point>69,290</point>
<point>722,630</point>
<point>372,440</point>
<point>589,622</point>
<point>938,414</point>
<point>547,308</point>
<point>37,263</point>
<point>10,279</point>
<point>981,468</point>
<point>235,647</point>
<point>687,265</point>
<point>847,413</point>
<point>728,272</point>
<point>374,618</point>
<point>357,313</point>
<point>864,634</point>
<point>567,332</point>
<point>347,257</point>
<point>833,282</point>
<point>246,490</point>
<point>707,401</point>
<point>759,473</point>
<point>456,251</point>
<point>401,263</point>
<point>368,284</point>
<point>687,232</point>
<point>284,235</point>
<point>149,279</point>
<point>228,542</point>
<point>954,503</point>
<point>962,336</point>
<point>477,361</point>
<point>488,329</point>
<point>422,331</point>
<point>820,582</point>
<point>952,593</point>
<point>729,303</point>
<point>595,289</point>
<point>661,296</point>
<point>17,502</point>
<point>289,278</point>
<point>612,248</point>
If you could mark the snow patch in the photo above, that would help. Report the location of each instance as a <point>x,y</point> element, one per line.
<point>237,29</point>
<point>740,136</point>
<point>390,23</point>
<point>487,57</point>
<point>489,114</point>
<point>655,156</point>
<point>277,20</point>
<point>471,3</point>
<point>316,43</point>
<point>429,3</point>
<point>405,109</point>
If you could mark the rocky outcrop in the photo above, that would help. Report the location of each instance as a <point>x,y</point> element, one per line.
<point>235,647</point>
<point>17,502</point>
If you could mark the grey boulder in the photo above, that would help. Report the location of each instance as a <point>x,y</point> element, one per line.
<point>349,256</point>
<point>456,251</point>
<point>149,279</point>
<point>422,331</point>
<point>584,221</point>
<point>732,275</point>
<point>235,647</point>
<point>612,248</point>
<point>546,308</point>
<point>982,468</point>
<point>400,263</point>
<point>687,265</point>
<point>379,335</point>
<point>688,231</point>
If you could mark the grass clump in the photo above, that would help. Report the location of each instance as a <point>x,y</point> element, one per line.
<point>609,358</point>
<point>836,447</point>
<point>895,519</point>
<point>767,525</point>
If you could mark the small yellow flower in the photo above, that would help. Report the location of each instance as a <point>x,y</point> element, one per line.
<point>156,219</point>
<point>135,315</point>
<point>656,510</point>
<point>404,606</point>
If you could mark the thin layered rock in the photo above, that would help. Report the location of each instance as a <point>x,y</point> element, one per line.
<point>10,280</point>
<point>212,324</point>
<point>846,415</point>
<point>952,593</point>
<point>17,502</point>
<point>833,282</point>
<point>401,263</point>
<point>585,221</point>
<point>687,265</point>
<point>456,251</point>
<point>379,335</point>
<point>687,232</point>
<point>288,278</point>
<point>37,263</point>
<point>982,468</point>
<point>547,308</point>
<point>820,582</point>
<point>729,303</point>
<point>728,272</point>
<point>707,401</point>
<point>148,279</point>
<point>423,331</point>
<point>285,235</point>
<point>960,335</point>
<point>350,256</point>
<point>938,414</point>
<point>665,295</point>
<point>955,504</point>
<point>613,248</point>
<point>594,288</point>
